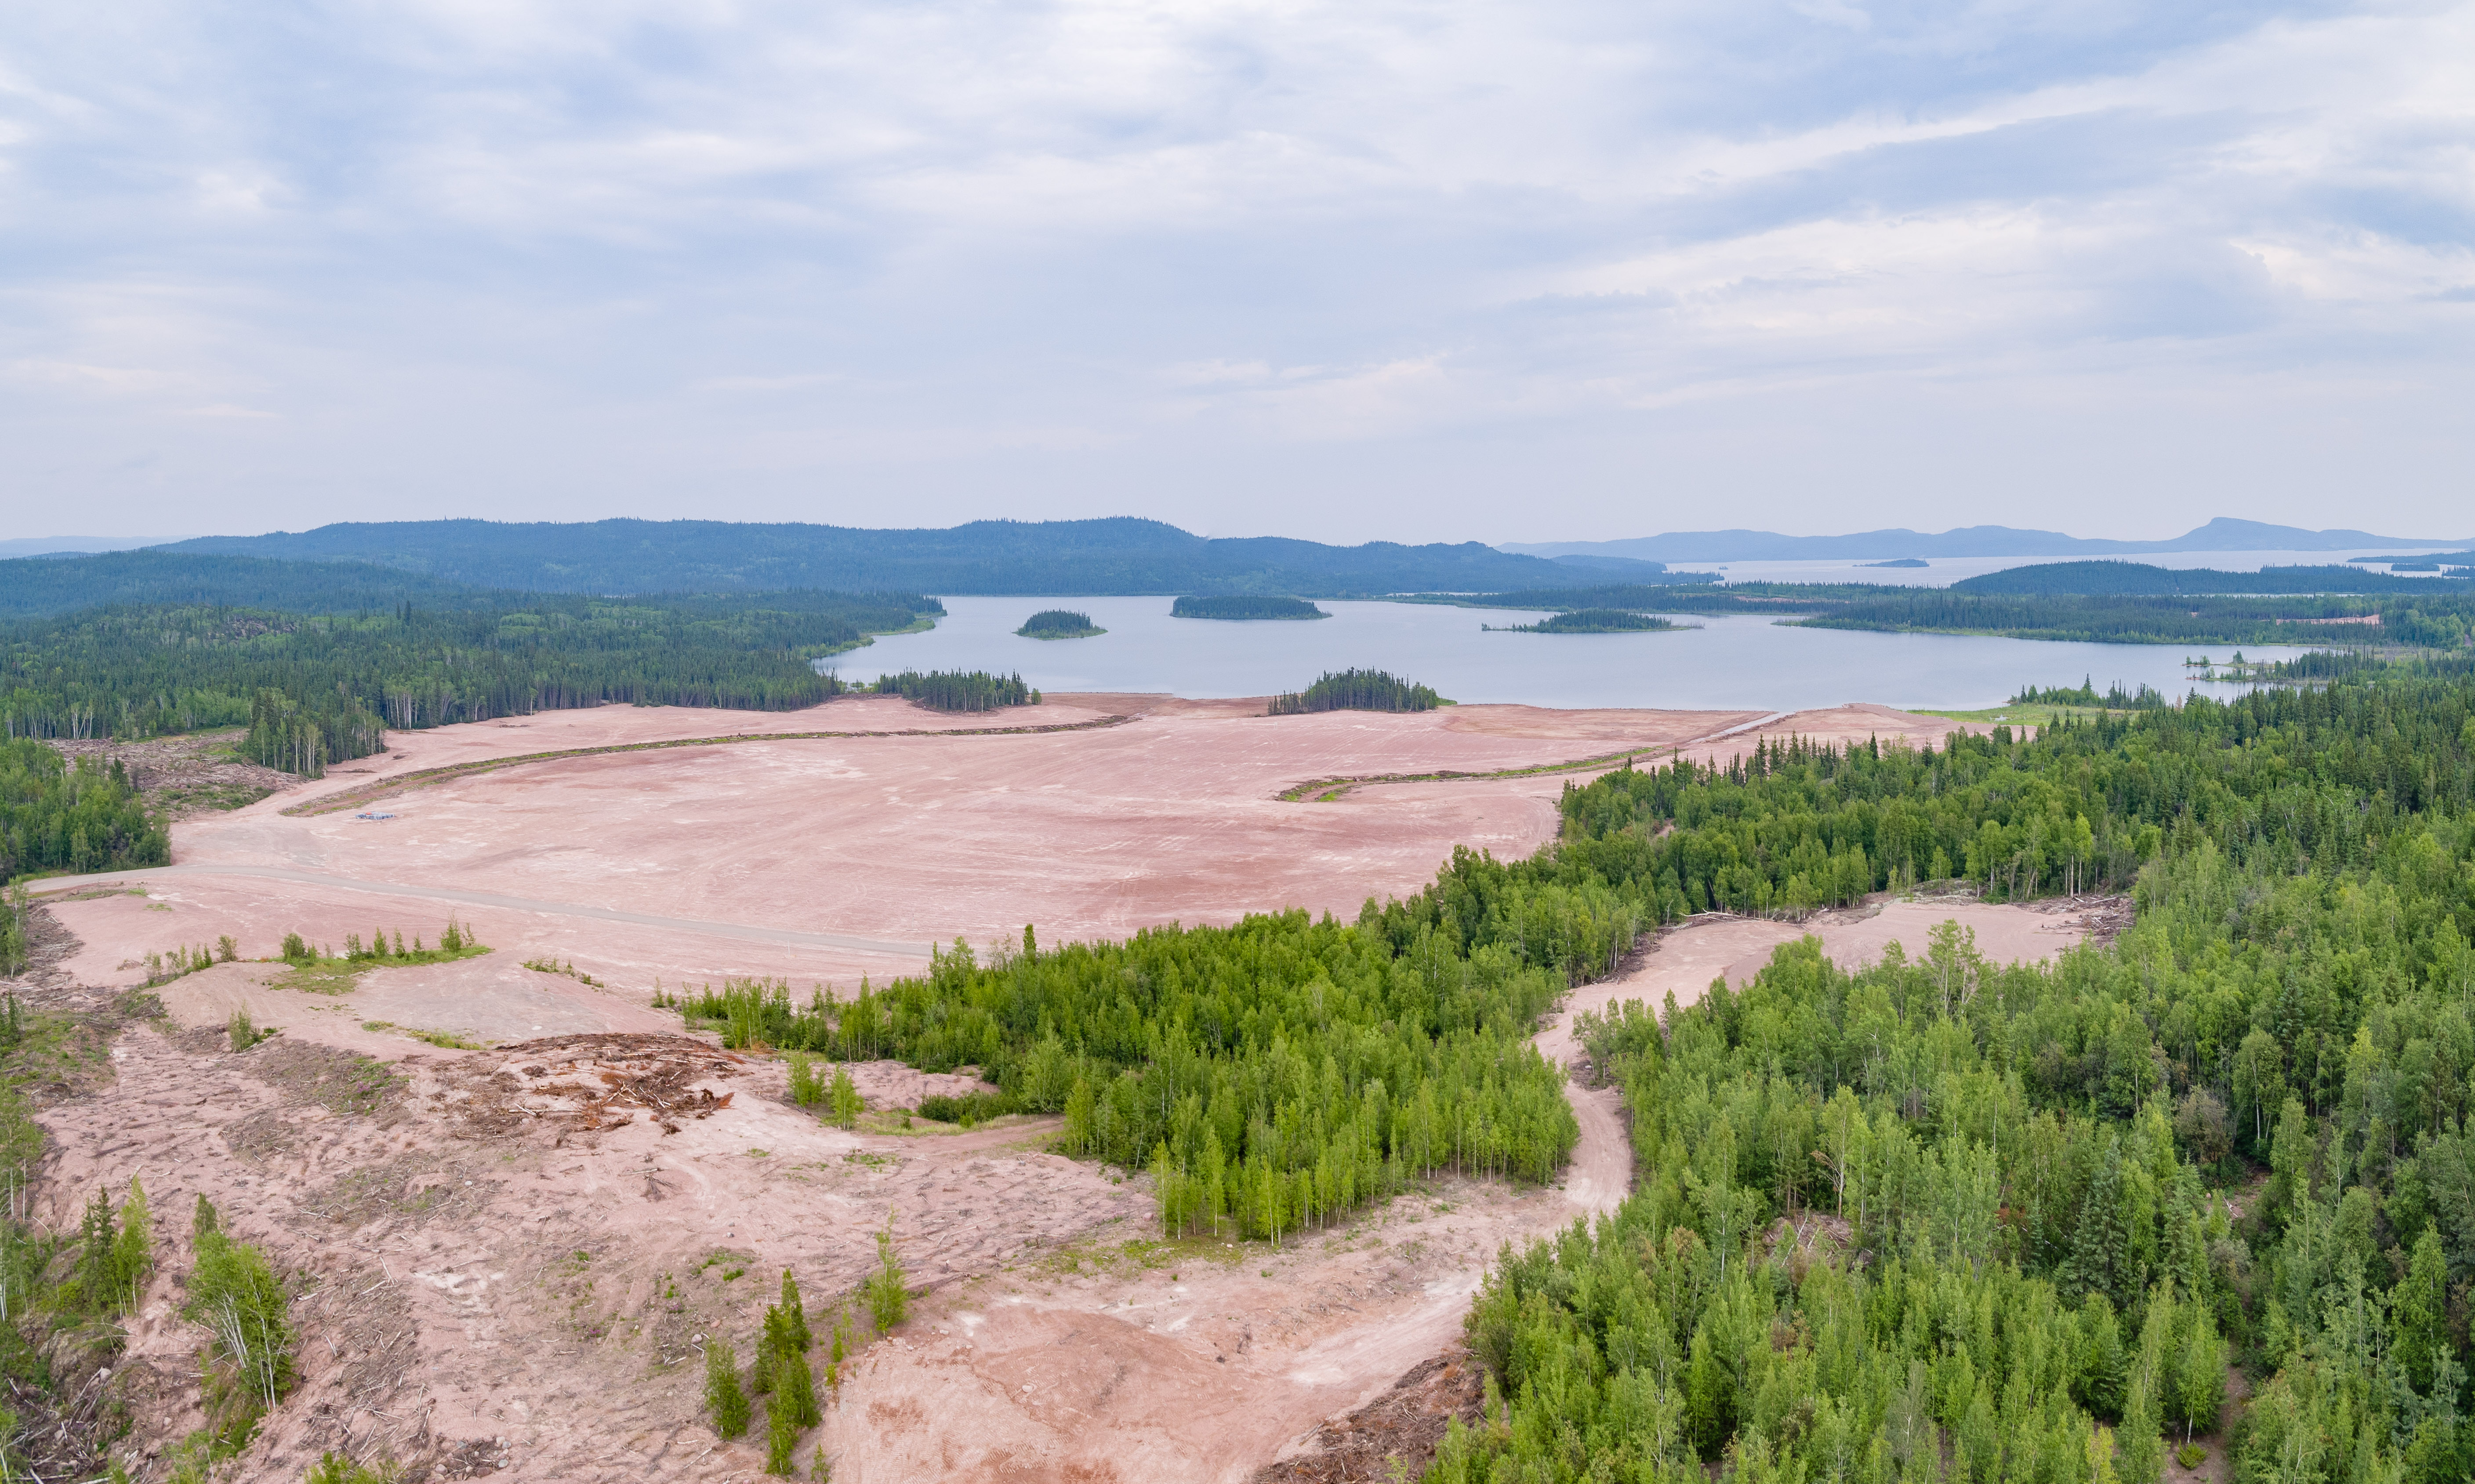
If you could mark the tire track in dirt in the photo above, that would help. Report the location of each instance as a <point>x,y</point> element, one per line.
<point>399,783</point>
<point>56,884</point>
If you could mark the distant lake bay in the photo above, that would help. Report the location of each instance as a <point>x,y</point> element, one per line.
<point>1730,663</point>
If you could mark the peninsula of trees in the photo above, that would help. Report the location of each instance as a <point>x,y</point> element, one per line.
<point>1242,607</point>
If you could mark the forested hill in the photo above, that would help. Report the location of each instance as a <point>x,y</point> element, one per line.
<point>35,587</point>
<point>314,689</point>
<point>2137,578</point>
<point>1119,555</point>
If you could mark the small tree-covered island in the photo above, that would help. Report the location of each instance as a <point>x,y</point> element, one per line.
<point>1060,623</point>
<point>1590,621</point>
<point>1245,607</point>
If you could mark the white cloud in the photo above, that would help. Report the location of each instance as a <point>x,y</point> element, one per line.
<point>547,254</point>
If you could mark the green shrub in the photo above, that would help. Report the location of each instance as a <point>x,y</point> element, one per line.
<point>296,949</point>
<point>340,1469</point>
<point>115,1254</point>
<point>846,1102</point>
<point>889,1301</point>
<point>723,1398</point>
<point>807,1088</point>
<point>2191,1455</point>
<point>795,1316</point>
<point>236,1295</point>
<point>243,1031</point>
<point>967,1111</point>
<point>781,1438</point>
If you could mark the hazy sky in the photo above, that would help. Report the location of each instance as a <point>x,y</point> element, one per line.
<point>1529,270</point>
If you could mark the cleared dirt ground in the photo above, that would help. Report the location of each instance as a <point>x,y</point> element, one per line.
<point>829,858</point>
<point>511,1259</point>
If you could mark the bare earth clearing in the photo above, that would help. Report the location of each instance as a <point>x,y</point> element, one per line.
<point>511,1259</point>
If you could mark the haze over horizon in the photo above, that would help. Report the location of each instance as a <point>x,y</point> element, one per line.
<point>1517,275</point>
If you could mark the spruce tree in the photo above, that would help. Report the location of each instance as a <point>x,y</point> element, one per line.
<point>723,1397</point>
<point>781,1438</point>
<point>2201,1375</point>
<point>2141,1448</point>
<point>2100,1246</point>
<point>795,1314</point>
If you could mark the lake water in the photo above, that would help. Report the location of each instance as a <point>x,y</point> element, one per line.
<point>1730,663</point>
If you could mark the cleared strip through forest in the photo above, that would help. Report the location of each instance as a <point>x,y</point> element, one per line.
<point>422,778</point>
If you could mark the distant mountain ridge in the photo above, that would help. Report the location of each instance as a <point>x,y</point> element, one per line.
<point>2222,534</point>
<point>1067,558</point>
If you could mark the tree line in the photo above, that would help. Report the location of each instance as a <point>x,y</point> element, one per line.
<point>1940,1219</point>
<point>321,688</point>
<point>1356,689</point>
<point>955,690</point>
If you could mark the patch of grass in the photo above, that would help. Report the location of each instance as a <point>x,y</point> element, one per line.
<point>448,1039</point>
<point>2191,1455</point>
<point>1126,1259</point>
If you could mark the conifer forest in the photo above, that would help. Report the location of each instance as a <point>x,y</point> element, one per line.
<point>316,689</point>
<point>1936,1219</point>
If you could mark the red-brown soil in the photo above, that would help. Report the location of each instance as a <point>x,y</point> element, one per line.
<point>505,1270</point>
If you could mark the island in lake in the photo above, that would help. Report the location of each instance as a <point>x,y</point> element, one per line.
<point>1060,623</point>
<point>1590,621</point>
<point>1245,607</point>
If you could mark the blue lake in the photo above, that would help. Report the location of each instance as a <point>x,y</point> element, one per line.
<point>1728,663</point>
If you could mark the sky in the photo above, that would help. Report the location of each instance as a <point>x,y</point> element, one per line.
<point>1531,270</point>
